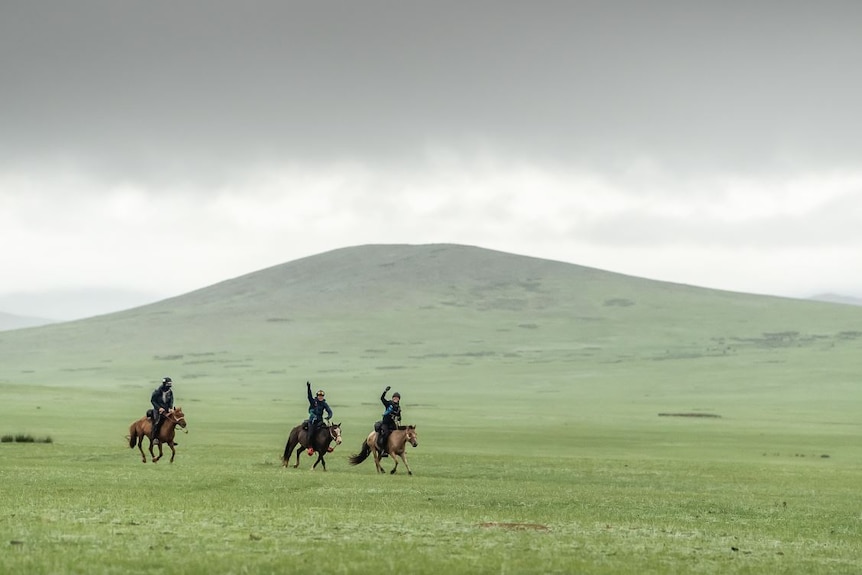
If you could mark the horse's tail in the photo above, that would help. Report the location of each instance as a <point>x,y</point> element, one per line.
<point>292,442</point>
<point>362,455</point>
<point>133,435</point>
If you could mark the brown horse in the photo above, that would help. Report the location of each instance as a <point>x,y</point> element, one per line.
<point>323,436</point>
<point>396,444</point>
<point>144,426</point>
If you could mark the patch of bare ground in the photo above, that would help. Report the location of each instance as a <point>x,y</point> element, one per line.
<point>516,526</point>
<point>692,414</point>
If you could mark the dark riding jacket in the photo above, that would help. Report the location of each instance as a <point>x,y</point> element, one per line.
<point>316,407</point>
<point>162,397</point>
<point>392,414</point>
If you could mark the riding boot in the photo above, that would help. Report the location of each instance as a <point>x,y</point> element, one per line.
<point>309,439</point>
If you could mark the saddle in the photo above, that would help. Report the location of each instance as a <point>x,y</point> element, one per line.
<point>378,426</point>
<point>149,414</point>
<point>323,424</point>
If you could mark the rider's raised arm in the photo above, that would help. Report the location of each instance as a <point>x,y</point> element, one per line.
<point>383,396</point>
<point>310,397</point>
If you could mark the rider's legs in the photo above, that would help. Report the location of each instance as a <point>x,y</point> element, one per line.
<point>309,435</point>
<point>382,436</point>
<point>157,424</point>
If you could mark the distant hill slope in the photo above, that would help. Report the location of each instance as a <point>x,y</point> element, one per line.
<point>428,301</point>
<point>64,304</point>
<point>9,321</point>
<point>836,298</point>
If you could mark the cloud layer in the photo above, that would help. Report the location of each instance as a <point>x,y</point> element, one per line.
<point>169,91</point>
<point>165,146</point>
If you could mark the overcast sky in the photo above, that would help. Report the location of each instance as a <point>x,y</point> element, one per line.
<point>153,148</point>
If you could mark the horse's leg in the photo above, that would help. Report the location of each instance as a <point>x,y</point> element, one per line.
<point>141,447</point>
<point>403,456</point>
<point>377,458</point>
<point>173,451</point>
<point>160,451</point>
<point>324,449</point>
<point>153,457</point>
<point>299,451</point>
<point>319,460</point>
<point>394,457</point>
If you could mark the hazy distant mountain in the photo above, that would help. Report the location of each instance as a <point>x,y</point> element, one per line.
<point>65,304</point>
<point>837,298</point>
<point>9,321</point>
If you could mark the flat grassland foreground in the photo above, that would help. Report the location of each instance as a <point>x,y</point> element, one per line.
<point>582,491</point>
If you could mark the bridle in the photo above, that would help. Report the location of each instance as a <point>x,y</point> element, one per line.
<point>173,417</point>
<point>335,432</point>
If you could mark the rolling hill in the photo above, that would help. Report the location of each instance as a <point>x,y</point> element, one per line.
<point>368,309</point>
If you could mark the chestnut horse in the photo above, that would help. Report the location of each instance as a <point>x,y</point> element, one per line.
<point>396,444</point>
<point>323,436</point>
<point>144,426</point>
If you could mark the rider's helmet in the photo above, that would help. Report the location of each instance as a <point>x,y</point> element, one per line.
<point>320,393</point>
<point>167,381</point>
<point>396,394</point>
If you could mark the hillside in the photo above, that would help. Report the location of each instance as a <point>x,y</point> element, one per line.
<point>10,321</point>
<point>837,298</point>
<point>377,307</point>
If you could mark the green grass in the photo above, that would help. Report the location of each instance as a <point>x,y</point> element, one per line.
<point>537,401</point>
<point>603,485</point>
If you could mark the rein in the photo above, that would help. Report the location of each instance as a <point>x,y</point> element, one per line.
<point>172,416</point>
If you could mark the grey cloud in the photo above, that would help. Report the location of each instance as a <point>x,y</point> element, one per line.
<point>831,225</point>
<point>179,90</point>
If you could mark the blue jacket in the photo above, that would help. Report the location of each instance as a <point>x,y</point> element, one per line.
<point>392,414</point>
<point>316,407</point>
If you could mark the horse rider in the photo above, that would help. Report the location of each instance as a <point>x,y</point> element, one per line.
<point>391,419</point>
<point>162,400</point>
<point>316,406</point>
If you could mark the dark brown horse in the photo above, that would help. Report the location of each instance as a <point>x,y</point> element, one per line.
<point>323,437</point>
<point>142,428</point>
<point>396,445</point>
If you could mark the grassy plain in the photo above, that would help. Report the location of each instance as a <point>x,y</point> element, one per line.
<point>542,448</point>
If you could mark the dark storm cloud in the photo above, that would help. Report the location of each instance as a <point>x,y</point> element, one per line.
<point>179,89</point>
